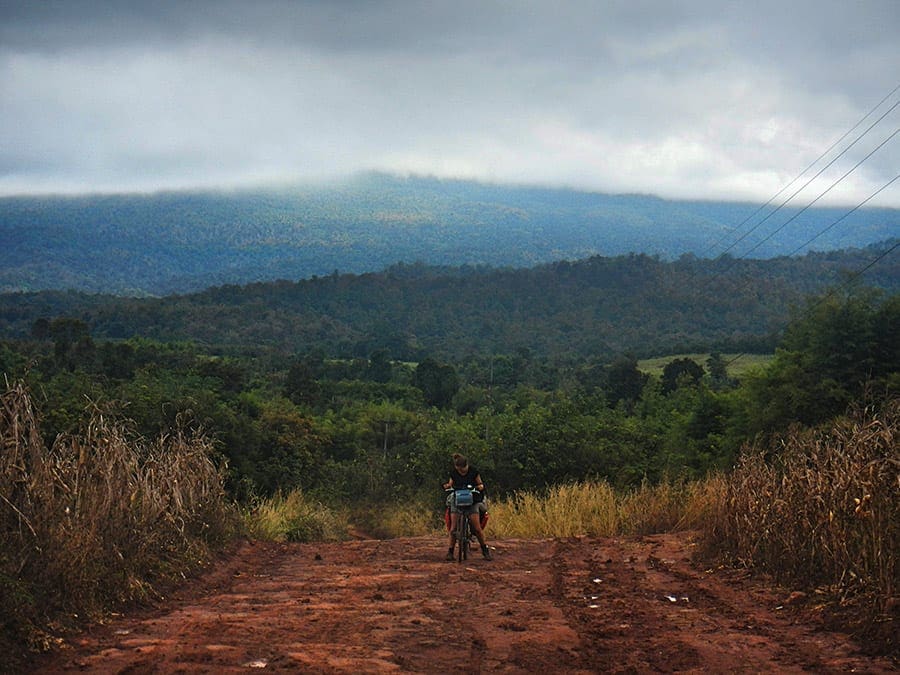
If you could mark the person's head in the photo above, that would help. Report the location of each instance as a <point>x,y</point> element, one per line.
<point>460,462</point>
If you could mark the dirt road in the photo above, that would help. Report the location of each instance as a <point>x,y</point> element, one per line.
<point>631,604</point>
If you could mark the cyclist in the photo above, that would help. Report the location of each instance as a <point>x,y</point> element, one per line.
<point>464,476</point>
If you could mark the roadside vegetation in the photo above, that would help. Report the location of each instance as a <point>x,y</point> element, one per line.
<point>125,464</point>
<point>99,518</point>
<point>819,509</point>
<point>294,517</point>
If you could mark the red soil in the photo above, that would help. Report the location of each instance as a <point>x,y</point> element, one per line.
<point>584,605</point>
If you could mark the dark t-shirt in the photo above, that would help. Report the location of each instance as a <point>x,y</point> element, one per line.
<point>461,481</point>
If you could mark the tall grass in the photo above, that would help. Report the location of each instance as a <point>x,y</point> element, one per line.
<point>405,519</point>
<point>581,508</point>
<point>561,511</point>
<point>820,509</point>
<point>295,517</point>
<point>670,506</point>
<point>594,508</point>
<point>99,517</point>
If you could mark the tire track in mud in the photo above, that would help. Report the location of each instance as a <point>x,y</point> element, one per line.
<point>615,611</point>
<point>645,607</point>
<point>362,607</point>
<point>579,605</point>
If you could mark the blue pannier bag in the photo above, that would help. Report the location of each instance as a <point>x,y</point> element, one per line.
<point>464,498</point>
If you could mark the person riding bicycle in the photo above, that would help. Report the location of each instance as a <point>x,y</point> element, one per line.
<point>461,477</point>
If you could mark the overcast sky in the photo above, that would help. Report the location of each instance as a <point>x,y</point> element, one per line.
<point>713,99</point>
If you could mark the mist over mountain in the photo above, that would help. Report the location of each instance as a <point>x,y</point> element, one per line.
<point>180,242</point>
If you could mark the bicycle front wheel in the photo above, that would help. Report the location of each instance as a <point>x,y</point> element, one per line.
<point>462,536</point>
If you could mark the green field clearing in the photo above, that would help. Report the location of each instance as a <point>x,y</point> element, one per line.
<point>740,366</point>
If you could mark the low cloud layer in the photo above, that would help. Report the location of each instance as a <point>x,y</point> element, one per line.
<point>702,100</point>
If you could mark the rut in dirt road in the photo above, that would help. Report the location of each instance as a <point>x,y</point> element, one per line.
<point>628,604</point>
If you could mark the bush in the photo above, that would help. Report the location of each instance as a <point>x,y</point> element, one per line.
<point>100,517</point>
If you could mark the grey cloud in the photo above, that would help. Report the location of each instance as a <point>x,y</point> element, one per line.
<point>688,99</point>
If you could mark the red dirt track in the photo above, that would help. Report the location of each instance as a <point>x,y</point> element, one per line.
<point>584,605</point>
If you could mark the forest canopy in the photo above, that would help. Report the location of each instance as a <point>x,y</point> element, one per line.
<point>593,308</point>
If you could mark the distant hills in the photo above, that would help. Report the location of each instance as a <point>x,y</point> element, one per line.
<point>167,243</point>
<point>593,308</point>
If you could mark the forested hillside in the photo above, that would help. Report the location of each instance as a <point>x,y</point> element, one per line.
<point>167,243</point>
<point>594,308</point>
<point>314,404</point>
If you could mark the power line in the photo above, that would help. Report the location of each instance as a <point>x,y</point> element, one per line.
<point>855,208</point>
<point>853,277</point>
<point>827,190</point>
<point>811,165</point>
<point>819,173</point>
<point>857,274</point>
<point>803,187</point>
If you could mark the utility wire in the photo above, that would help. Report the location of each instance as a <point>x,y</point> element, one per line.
<point>855,208</point>
<point>853,277</point>
<point>797,177</point>
<point>856,275</point>
<point>771,213</point>
<point>803,187</point>
<point>827,190</point>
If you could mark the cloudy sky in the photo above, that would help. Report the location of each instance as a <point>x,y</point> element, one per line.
<point>705,99</point>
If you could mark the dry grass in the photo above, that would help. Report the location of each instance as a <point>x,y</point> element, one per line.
<point>670,506</point>
<point>404,521</point>
<point>820,509</point>
<point>295,518</point>
<point>596,509</point>
<point>100,517</point>
<point>561,511</point>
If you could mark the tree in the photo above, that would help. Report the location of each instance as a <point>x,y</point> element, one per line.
<point>836,349</point>
<point>300,383</point>
<point>438,382</point>
<point>72,345</point>
<point>379,369</point>
<point>231,374</point>
<point>40,329</point>
<point>291,449</point>
<point>624,382</point>
<point>681,372</point>
<point>718,369</point>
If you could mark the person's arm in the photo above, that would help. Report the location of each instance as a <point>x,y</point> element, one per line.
<point>478,484</point>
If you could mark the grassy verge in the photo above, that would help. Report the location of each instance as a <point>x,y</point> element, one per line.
<point>596,509</point>
<point>104,517</point>
<point>295,517</point>
<point>586,508</point>
<point>97,519</point>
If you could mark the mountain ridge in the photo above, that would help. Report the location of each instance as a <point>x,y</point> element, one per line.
<point>180,242</point>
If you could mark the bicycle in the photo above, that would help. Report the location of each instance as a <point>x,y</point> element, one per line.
<point>464,501</point>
